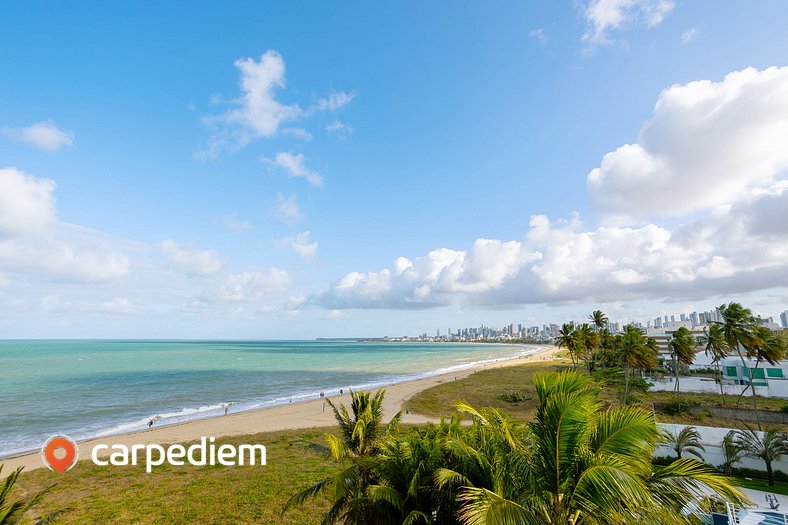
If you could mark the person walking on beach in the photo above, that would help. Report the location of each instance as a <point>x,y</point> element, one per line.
<point>150,423</point>
<point>226,409</point>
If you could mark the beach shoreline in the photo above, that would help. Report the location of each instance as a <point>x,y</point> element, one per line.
<point>296,415</point>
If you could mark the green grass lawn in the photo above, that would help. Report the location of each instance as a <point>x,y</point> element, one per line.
<point>761,484</point>
<point>206,495</point>
<point>483,389</point>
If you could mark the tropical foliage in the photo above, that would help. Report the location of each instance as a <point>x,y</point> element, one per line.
<point>687,440</point>
<point>576,463</point>
<point>767,446</point>
<point>11,512</point>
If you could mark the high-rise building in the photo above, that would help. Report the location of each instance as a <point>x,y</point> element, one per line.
<point>784,319</point>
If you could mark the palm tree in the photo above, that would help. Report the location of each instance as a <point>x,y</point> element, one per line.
<point>575,464</point>
<point>767,346</point>
<point>588,339</point>
<point>635,353</point>
<point>567,338</point>
<point>687,440</point>
<point>682,351</point>
<point>768,446</point>
<point>738,327</point>
<point>11,513</point>
<point>732,453</point>
<point>598,319</point>
<point>717,349</point>
<point>361,435</point>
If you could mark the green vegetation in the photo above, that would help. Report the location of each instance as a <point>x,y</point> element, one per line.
<point>779,487</point>
<point>183,495</point>
<point>575,463</point>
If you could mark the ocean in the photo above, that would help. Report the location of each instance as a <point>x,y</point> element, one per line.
<point>93,388</point>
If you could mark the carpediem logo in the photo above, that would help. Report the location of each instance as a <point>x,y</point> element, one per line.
<point>60,453</point>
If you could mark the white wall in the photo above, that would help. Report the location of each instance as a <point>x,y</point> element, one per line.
<point>711,439</point>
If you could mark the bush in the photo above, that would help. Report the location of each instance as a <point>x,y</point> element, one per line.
<point>640,384</point>
<point>779,475</point>
<point>514,397</point>
<point>675,408</point>
<point>784,409</point>
<point>663,460</point>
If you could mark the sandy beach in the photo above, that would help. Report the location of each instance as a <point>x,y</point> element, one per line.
<point>305,414</point>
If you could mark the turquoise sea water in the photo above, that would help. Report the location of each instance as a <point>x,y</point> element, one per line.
<point>92,388</point>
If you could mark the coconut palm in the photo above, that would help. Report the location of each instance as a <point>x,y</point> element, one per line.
<point>588,340</point>
<point>764,345</point>
<point>767,446</point>
<point>685,441</point>
<point>716,347</point>
<point>11,512</point>
<point>738,326</point>
<point>682,351</point>
<point>568,338</point>
<point>598,319</point>
<point>732,453</point>
<point>575,464</point>
<point>635,353</point>
<point>361,435</point>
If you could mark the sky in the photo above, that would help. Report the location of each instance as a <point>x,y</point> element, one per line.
<point>343,169</point>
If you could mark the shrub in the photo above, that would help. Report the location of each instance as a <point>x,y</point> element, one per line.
<point>675,408</point>
<point>779,475</point>
<point>784,409</point>
<point>514,397</point>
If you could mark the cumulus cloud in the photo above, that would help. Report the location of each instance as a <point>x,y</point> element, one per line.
<point>27,204</point>
<point>741,249</point>
<point>249,286</point>
<point>605,16</point>
<point>300,244</point>
<point>190,259</point>
<point>286,209</point>
<point>294,165</point>
<point>35,243</point>
<point>258,112</point>
<point>708,144</point>
<point>45,135</point>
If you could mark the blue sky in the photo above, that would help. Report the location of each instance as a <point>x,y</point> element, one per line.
<point>257,170</point>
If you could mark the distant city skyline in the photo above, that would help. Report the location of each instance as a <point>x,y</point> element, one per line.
<point>292,171</point>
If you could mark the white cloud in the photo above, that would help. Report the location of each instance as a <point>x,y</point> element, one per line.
<point>605,16</point>
<point>300,244</point>
<point>741,249</point>
<point>294,166</point>
<point>120,305</point>
<point>339,129</point>
<point>707,144</point>
<point>249,286</point>
<point>190,259</point>
<point>258,113</point>
<point>286,209</point>
<point>232,222</point>
<point>539,35</point>
<point>690,35</point>
<point>27,205</point>
<point>45,135</point>
<point>33,242</point>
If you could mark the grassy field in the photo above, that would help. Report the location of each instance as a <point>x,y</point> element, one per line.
<point>485,388</point>
<point>206,495</point>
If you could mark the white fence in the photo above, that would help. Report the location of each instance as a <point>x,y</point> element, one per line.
<point>711,439</point>
<point>776,388</point>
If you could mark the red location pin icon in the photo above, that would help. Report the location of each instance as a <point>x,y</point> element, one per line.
<point>60,453</point>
